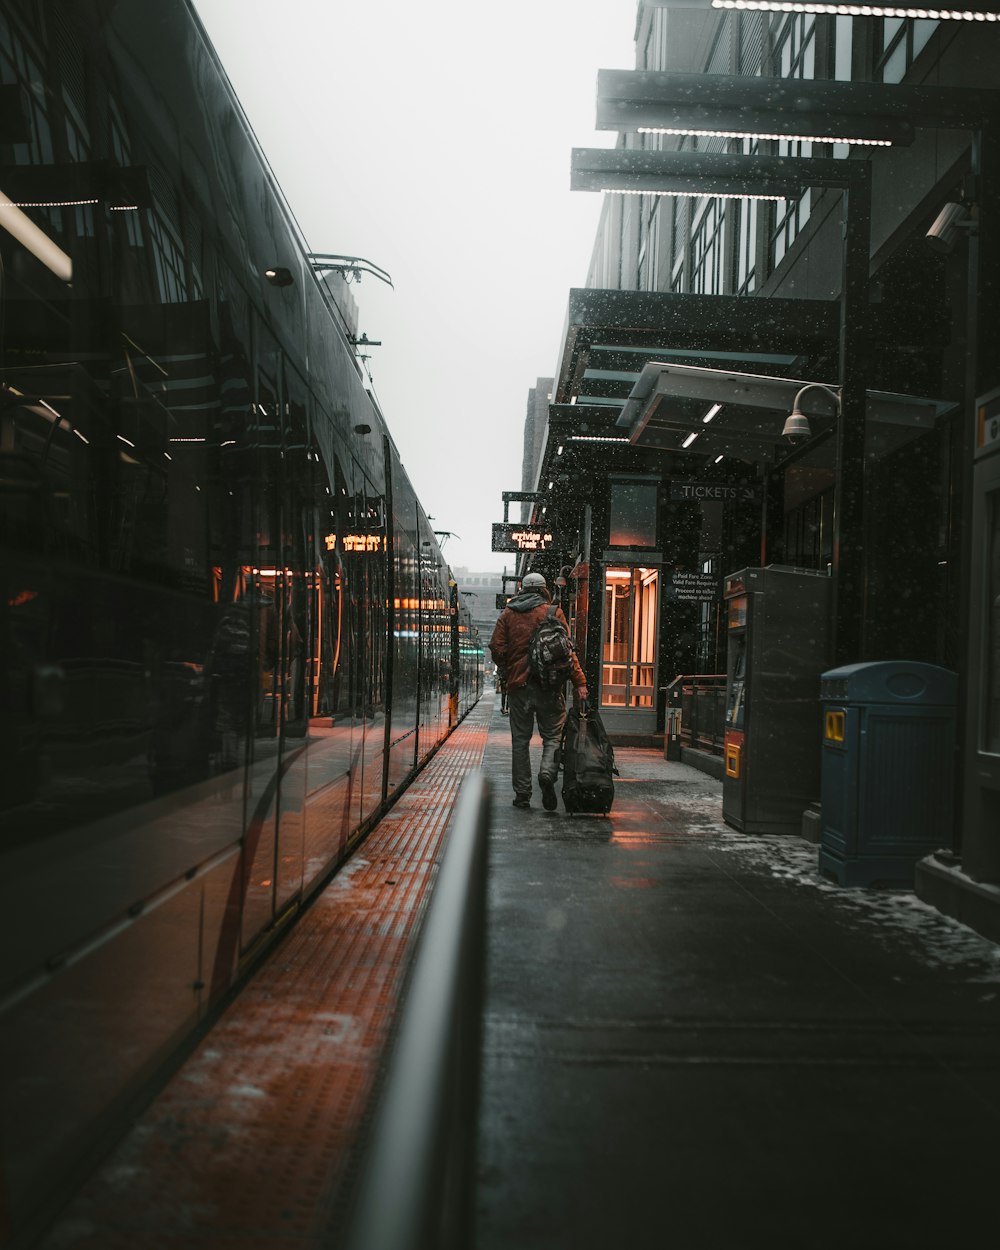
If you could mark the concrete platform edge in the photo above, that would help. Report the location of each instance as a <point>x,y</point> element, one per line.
<point>714,765</point>
<point>974,903</point>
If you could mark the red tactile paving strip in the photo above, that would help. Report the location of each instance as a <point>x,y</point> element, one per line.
<point>250,1139</point>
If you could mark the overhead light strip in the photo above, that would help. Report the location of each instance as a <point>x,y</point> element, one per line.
<point>694,195</point>
<point>859,10</point>
<point>756,134</point>
<point>594,438</point>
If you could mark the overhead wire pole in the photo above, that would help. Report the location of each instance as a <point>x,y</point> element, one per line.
<point>354,266</point>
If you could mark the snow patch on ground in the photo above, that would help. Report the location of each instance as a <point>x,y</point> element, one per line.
<point>892,915</point>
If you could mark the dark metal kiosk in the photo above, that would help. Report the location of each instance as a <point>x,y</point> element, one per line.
<point>888,769</point>
<point>778,646</point>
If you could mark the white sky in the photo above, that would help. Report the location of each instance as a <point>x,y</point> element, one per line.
<point>434,139</point>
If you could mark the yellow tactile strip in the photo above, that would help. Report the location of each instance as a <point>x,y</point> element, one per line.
<point>248,1142</point>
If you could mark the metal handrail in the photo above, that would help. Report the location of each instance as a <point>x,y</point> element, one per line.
<point>695,677</point>
<point>417,1186</point>
<point>688,691</point>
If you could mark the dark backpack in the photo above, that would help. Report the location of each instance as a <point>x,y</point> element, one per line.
<point>550,652</point>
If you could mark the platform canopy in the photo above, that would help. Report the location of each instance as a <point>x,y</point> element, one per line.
<point>615,341</point>
<point>741,414</point>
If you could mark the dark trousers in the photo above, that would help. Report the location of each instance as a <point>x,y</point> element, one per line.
<point>528,704</point>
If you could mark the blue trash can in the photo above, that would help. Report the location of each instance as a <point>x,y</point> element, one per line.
<point>887,769</point>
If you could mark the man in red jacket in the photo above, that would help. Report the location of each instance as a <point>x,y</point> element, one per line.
<point>527,700</point>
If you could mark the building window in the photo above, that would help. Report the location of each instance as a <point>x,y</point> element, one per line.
<point>898,42</point>
<point>746,254</point>
<point>794,57</point>
<point>789,220</point>
<point>628,670</point>
<point>809,533</point>
<point>795,46</point>
<point>18,65</point>
<point>169,259</point>
<point>843,48</point>
<point>746,223</point>
<point>708,248</point>
<point>648,238</point>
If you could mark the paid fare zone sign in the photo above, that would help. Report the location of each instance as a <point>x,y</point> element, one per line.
<point>509,536</point>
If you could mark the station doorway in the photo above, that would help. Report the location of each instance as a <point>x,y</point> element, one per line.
<point>630,626</point>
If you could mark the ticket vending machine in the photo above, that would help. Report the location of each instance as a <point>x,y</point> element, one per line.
<point>981,790</point>
<point>778,645</point>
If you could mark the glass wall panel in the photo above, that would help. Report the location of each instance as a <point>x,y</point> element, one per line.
<point>296,616</point>
<point>331,730</point>
<point>262,600</point>
<point>370,530</point>
<point>633,514</point>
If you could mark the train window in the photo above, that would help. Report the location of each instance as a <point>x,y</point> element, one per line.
<point>43,471</point>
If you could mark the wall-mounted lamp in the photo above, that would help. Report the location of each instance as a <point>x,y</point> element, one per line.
<point>797,427</point>
<point>277,276</point>
<point>362,428</point>
<point>953,220</point>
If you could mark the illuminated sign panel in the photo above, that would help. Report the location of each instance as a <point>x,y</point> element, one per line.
<point>694,588</point>
<point>357,542</point>
<point>508,536</point>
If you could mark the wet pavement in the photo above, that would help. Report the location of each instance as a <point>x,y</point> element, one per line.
<point>691,1040</point>
<point>694,1040</point>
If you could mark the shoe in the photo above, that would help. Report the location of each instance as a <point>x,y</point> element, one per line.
<point>521,801</point>
<point>548,788</point>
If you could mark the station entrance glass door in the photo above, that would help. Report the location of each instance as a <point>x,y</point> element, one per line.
<point>629,646</point>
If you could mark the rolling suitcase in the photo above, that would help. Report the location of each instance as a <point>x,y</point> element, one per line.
<point>588,764</point>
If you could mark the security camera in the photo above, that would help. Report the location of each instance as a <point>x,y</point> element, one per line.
<point>948,224</point>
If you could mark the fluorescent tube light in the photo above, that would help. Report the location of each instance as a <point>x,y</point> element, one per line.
<point>34,239</point>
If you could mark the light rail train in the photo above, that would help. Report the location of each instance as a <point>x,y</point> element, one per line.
<point>228,636</point>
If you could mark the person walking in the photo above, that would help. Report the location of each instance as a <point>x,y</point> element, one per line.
<point>527,699</point>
